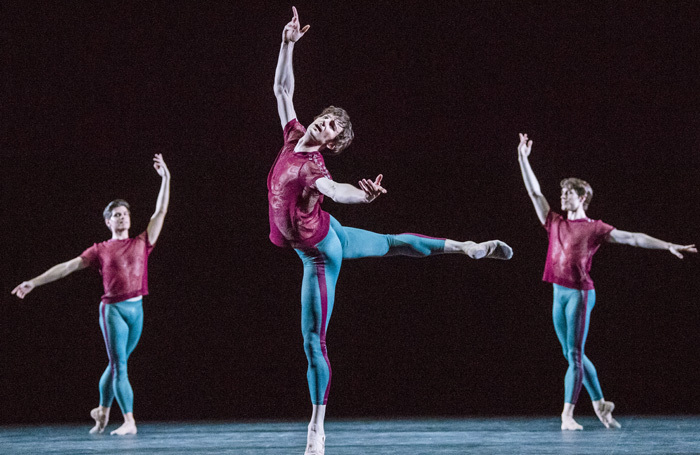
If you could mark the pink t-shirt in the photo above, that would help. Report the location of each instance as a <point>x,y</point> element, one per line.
<point>123,265</point>
<point>296,218</point>
<point>572,244</point>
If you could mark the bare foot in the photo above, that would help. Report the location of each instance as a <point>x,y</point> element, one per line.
<point>568,423</point>
<point>101,418</point>
<point>493,249</point>
<point>604,409</point>
<point>126,428</point>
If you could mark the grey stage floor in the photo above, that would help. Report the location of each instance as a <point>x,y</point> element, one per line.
<point>639,435</point>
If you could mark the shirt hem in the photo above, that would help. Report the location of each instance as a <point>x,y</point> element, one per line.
<point>569,284</point>
<point>311,242</point>
<point>122,297</point>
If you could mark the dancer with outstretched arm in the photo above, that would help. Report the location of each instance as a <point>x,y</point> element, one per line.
<point>573,240</point>
<point>123,264</point>
<point>297,184</point>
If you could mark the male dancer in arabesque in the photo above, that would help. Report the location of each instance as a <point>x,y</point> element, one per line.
<point>297,184</point>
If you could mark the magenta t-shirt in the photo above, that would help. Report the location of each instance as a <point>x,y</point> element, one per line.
<point>123,265</point>
<point>572,244</point>
<point>296,218</point>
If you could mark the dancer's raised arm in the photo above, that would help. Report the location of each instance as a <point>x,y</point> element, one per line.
<point>531,183</point>
<point>156,223</point>
<point>646,241</point>
<point>284,74</point>
<point>54,273</point>
<point>345,193</point>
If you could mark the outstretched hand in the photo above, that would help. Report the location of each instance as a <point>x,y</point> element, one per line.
<point>677,250</point>
<point>23,289</point>
<point>159,165</point>
<point>371,188</point>
<point>291,32</point>
<point>525,146</point>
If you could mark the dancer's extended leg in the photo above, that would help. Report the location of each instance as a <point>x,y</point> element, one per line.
<point>121,325</point>
<point>359,243</point>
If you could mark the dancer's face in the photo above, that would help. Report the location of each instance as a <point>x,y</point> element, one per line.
<point>325,129</point>
<point>120,220</point>
<point>570,200</point>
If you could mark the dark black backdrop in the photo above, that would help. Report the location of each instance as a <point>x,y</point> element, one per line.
<point>438,92</point>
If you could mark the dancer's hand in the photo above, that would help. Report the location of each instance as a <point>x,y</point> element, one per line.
<point>160,166</point>
<point>371,188</point>
<point>525,146</point>
<point>291,32</point>
<point>677,250</point>
<point>23,289</point>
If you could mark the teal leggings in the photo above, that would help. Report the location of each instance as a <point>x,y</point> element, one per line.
<point>321,269</point>
<point>572,314</point>
<point>121,325</point>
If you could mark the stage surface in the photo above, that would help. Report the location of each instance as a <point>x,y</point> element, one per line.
<point>639,435</point>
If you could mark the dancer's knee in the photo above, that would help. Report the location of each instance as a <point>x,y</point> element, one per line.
<point>405,245</point>
<point>575,358</point>
<point>314,348</point>
<point>119,369</point>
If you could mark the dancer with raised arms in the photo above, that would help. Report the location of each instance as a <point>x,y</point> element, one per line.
<point>573,240</point>
<point>123,264</point>
<point>297,185</point>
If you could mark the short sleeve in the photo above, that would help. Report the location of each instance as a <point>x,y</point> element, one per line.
<point>90,257</point>
<point>552,217</point>
<point>313,170</point>
<point>293,131</point>
<point>602,231</point>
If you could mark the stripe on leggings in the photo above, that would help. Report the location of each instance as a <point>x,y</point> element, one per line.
<point>106,335</point>
<point>321,273</point>
<point>579,358</point>
<point>423,236</point>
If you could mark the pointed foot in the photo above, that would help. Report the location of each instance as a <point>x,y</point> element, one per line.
<point>604,411</point>
<point>493,249</point>
<point>100,421</point>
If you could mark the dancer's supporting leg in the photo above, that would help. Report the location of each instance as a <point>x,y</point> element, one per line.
<point>571,313</point>
<point>121,325</point>
<point>321,268</point>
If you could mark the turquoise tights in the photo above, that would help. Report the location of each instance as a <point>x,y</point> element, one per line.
<point>572,314</point>
<point>121,325</point>
<point>321,269</point>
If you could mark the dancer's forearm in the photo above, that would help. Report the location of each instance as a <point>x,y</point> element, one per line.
<point>533,189</point>
<point>284,73</point>
<point>344,193</point>
<point>641,240</point>
<point>58,271</point>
